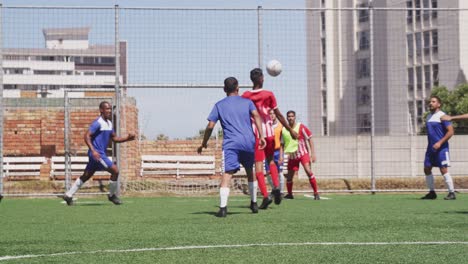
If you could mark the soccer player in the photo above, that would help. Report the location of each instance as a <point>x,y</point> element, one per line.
<point>234,113</point>
<point>278,156</point>
<point>298,152</point>
<point>437,152</point>
<point>264,101</point>
<point>97,138</point>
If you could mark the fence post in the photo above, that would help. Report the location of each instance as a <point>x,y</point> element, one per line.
<point>2,105</point>
<point>117,91</point>
<point>372,88</point>
<point>66,139</point>
<point>260,36</point>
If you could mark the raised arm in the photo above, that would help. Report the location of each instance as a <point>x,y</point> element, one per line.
<point>258,124</point>
<point>454,118</point>
<point>117,139</point>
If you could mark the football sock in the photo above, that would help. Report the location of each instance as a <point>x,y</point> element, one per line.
<point>313,183</point>
<point>78,183</point>
<point>449,182</point>
<point>274,175</point>
<point>281,181</point>
<point>430,182</point>
<point>253,191</point>
<point>223,195</point>
<point>289,186</point>
<point>262,184</point>
<point>112,187</point>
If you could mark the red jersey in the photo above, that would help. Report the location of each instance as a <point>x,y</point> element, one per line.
<point>264,101</point>
<point>304,135</point>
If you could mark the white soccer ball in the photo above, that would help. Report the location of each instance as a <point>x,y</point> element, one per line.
<point>274,68</point>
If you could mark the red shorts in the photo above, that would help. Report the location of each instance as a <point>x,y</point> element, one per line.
<point>293,164</point>
<point>269,150</point>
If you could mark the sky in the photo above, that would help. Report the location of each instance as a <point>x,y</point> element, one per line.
<point>182,47</point>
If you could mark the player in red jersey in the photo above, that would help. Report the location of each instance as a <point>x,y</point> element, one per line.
<point>298,153</point>
<point>265,101</point>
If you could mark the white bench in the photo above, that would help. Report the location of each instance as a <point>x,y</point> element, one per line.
<point>77,166</point>
<point>242,172</point>
<point>22,166</point>
<point>178,165</point>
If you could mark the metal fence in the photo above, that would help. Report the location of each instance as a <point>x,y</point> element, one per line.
<point>358,76</point>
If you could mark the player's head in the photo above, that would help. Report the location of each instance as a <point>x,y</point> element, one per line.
<point>231,85</point>
<point>256,75</point>
<point>435,103</point>
<point>105,109</point>
<point>291,116</point>
<point>272,114</point>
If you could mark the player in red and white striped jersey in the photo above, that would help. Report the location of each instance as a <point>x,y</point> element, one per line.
<point>298,152</point>
<point>265,101</point>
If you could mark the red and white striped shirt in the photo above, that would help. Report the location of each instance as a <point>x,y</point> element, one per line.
<point>264,101</point>
<point>304,135</point>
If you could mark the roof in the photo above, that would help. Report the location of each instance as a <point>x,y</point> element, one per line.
<point>93,50</point>
<point>66,33</point>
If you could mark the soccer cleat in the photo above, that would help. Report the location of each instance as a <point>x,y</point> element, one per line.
<point>265,203</point>
<point>450,196</point>
<point>68,200</point>
<point>114,199</point>
<point>316,196</point>
<point>254,207</point>
<point>277,196</point>
<point>430,196</point>
<point>222,212</point>
<point>289,196</point>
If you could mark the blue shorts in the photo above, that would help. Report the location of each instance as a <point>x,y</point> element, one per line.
<point>103,164</point>
<point>439,158</point>
<point>233,158</point>
<point>276,157</point>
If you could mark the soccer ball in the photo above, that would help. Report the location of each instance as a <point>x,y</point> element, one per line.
<point>274,68</point>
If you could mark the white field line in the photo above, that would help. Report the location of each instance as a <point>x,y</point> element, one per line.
<point>104,251</point>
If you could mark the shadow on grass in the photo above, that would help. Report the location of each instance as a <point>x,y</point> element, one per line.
<point>213,213</point>
<point>456,212</point>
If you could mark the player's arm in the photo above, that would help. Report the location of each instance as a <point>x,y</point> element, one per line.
<point>447,136</point>
<point>87,139</point>
<point>206,136</point>
<point>454,118</point>
<point>117,139</point>
<point>313,158</point>
<point>258,124</point>
<point>281,155</point>
<point>285,123</point>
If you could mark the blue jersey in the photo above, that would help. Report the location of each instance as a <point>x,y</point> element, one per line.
<point>436,129</point>
<point>234,114</point>
<point>101,131</point>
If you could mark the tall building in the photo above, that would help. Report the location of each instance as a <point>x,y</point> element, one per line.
<point>414,50</point>
<point>68,61</point>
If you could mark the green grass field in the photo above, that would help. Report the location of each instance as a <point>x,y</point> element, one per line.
<point>169,229</point>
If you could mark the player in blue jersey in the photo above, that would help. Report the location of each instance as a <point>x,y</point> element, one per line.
<point>234,113</point>
<point>97,138</point>
<point>437,153</point>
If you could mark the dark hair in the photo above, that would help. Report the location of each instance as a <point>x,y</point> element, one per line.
<point>438,98</point>
<point>101,105</point>
<point>291,112</point>
<point>230,84</point>
<point>256,74</point>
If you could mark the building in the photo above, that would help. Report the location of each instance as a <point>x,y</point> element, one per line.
<point>414,50</point>
<point>68,61</point>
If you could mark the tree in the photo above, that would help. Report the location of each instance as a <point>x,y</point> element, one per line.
<point>162,137</point>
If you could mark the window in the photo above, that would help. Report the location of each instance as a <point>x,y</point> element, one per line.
<point>364,123</point>
<point>409,13</point>
<point>324,73</point>
<point>426,13</point>
<point>410,43</point>
<point>323,3</point>
<point>427,42</point>
<point>435,41</point>
<point>363,15</point>
<point>363,95</point>
<point>363,68</point>
<point>364,40</point>
<point>322,16</point>
<point>324,101</point>
<point>410,79</point>
<point>417,37</point>
<point>325,125</point>
<point>108,60</point>
<point>88,60</point>
<point>419,78</point>
<point>435,74</point>
<point>427,77</point>
<point>324,48</point>
<point>434,5</point>
<point>420,108</point>
<point>417,4</point>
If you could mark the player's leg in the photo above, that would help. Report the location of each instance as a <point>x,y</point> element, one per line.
<point>293,166</point>
<point>444,163</point>
<point>231,165</point>
<point>270,153</point>
<point>259,158</point>
<point>305,160</point>
<point>247,159</point>
<point>280,171</point>
<point>89,171</point>
<point>110,167</point>
<point>428,161</point>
